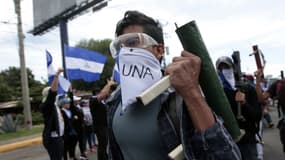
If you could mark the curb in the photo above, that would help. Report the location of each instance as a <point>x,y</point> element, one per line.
<point>20,144</point>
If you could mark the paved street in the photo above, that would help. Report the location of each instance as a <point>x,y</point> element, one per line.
<point>272,147</point>
<point>35,152</point>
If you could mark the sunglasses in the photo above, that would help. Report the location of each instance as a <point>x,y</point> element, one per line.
<point>133,40</point>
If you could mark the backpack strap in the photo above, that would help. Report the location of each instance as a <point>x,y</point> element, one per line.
<point>175,102</point>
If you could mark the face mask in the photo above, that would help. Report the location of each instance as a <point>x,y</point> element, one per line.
<point>229,76</point>
<point>139,69</point>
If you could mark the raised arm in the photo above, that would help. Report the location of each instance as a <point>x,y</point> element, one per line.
<point>106,89</point>
<point>54,83</point>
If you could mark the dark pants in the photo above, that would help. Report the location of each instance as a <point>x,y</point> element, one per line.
<point>90,137</point>
<point>54,147</point>
<point>69,146</point>
<point>248,151</point>
<point>281,127</point>
<point>81,141</point>
<point>101,133</point>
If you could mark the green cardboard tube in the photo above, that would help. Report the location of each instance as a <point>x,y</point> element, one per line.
<point>192,41</point>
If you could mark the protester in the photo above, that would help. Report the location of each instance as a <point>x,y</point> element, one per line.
<point>88,125</point>
<point>147,132</point>
<point>276,90</point>
<point>99,114</point>
<point>264,87</point>
<point>266,113</point>
<point>53,121</point>
<point>70,134</point>
<point>78,124</point>
<point>245,106</point>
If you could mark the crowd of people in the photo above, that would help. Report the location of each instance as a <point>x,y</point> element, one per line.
<point>128,131</point>
<point>70,120</point>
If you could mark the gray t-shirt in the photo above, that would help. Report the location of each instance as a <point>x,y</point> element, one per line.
<point>137,132</point>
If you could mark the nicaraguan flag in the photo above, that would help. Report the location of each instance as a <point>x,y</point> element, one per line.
<point>83,64</point>
<point>63,84</point>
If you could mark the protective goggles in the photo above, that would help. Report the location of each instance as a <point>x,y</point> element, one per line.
<point>133,40</point>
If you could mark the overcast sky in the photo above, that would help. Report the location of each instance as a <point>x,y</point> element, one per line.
<point>225,26</point>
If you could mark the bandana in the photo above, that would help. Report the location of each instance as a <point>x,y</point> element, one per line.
<point>227,78</point>
<point>139,69</point>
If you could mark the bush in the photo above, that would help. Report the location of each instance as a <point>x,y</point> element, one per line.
<point>37,118</point>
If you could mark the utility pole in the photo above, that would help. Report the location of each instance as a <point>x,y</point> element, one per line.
<point>24,77</point>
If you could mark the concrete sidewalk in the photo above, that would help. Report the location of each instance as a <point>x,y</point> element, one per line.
<point>17,143</point>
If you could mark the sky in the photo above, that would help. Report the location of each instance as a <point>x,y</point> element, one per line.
<point>225,26</point>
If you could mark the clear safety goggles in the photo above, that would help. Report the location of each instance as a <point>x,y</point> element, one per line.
<point>133,40</point>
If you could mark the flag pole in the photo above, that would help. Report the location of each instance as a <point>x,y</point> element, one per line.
<point>64,42</point>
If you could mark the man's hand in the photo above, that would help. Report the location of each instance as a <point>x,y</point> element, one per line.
<point>184,73</point>
<point>59,70</point>
<point>258,74</point>
<point>111,81</point>
<point>240,97</point>
<point>184,77</point>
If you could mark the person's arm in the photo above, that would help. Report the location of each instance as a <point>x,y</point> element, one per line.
<point>46,106</point>
<point>54,83</point>
<point>188,87</point>
<point>206,136</point>
<point>106,89</point>
<point>262,96</point>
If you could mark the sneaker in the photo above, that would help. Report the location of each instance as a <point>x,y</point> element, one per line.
<point>83,157</point>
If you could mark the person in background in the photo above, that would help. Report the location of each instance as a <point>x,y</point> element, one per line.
<point>248,78</point>
<point>88,123</point>
<point>276,90</point>
<point>78,124</point>
<point>266,113</point>
<point>245,106</point>
<point>53,121</point>
<point>99,114</point>
<point>70,134</point>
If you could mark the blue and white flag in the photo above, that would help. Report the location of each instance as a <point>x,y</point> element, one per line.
<point>83,64</point>
<point>63,84</point>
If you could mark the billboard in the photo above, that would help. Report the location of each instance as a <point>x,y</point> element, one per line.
<point>45,10</point>
<point>48,13</point>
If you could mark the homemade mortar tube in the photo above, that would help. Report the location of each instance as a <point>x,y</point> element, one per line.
<point>192,41</point>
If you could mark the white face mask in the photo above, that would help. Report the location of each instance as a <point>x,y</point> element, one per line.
<point>229,76</point>
<point>139,69</point>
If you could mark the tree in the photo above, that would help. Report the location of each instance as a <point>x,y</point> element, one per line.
<point>101,46</point>
<point>10,85</point>
<point>5,91</point>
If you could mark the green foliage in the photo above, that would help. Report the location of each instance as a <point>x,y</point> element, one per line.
<point>5,91</point>
<point>101,46</point>
<point>21,133</point>
<point>10,85</point>
<point>37,118</point>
